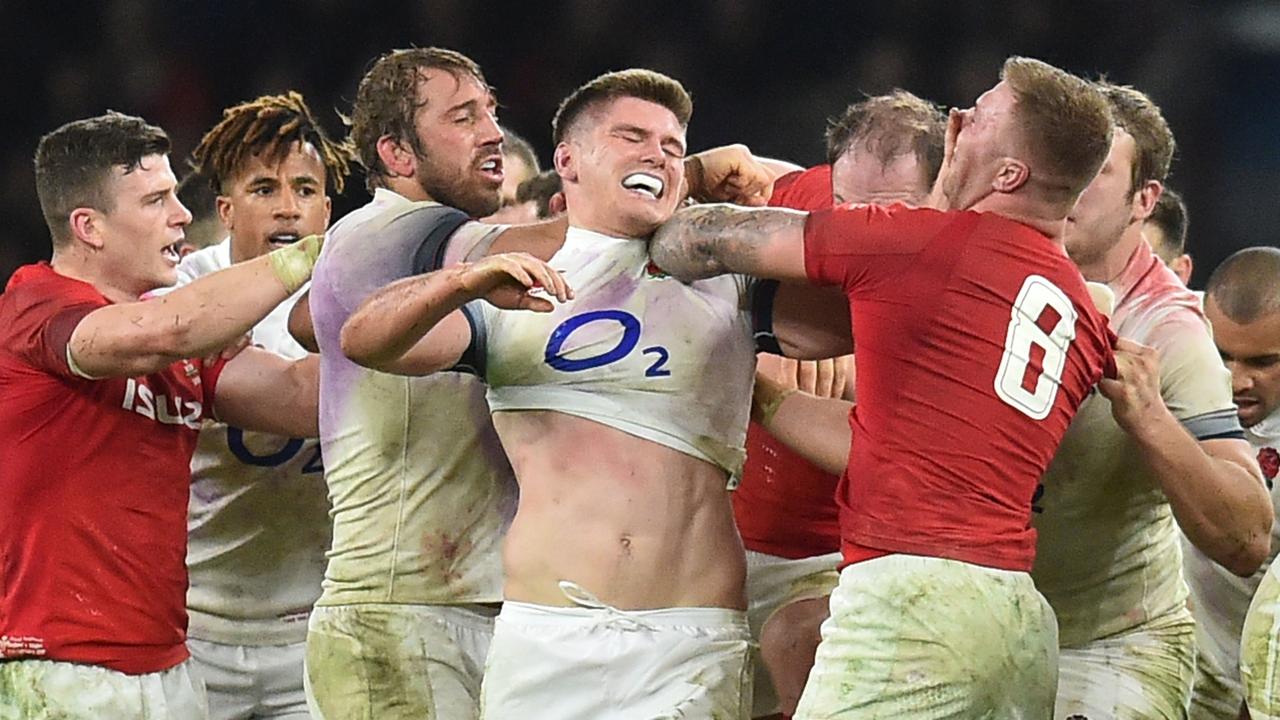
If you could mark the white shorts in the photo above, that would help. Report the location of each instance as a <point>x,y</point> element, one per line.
<point>251,681</point>
<point>606,664</point>
<point>772,583</point>
<point>388,662</point>
<point>1260,650</point>
<point>1144,673</point>
<point>922,638</point>
<point>1215,693</point>
<point>46,689</point>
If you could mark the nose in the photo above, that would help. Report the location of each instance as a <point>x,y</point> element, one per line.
<point>651,152</point>
<point>288,207</point>
<point>181,216</point>
<point>489,133</point>
<point>1241,380</point>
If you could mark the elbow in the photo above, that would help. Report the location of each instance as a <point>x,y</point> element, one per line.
<point>1250,558</point>
<point>358,350</point>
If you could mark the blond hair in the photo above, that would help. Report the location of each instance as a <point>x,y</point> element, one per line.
<point>636,83</point>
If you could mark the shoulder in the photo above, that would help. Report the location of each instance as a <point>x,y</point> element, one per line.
<point>204,261</point>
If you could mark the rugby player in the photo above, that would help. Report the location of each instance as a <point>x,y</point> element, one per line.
<point>882,149</point>
<point>102,407</point>
<point>950,308</point>
<point>421,491</point>
<point>259,516</point>
<point>623,411</point>
<point>1242,303</point>
<point>1125,479</point>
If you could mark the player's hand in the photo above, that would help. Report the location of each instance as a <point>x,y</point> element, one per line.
<point>510,281</point>
<point>766,396</point>
<point>824,378</point>
<point>1135,391</point>
<point>730,173</point>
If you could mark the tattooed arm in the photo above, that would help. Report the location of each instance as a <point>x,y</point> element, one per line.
<point>708,240</point>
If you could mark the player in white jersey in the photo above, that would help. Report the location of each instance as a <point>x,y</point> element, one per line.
<point>258,520</point>
<point>1108,555</point>
<point>1242,301</point>
<point>623,412</point>
<point>420,489</point>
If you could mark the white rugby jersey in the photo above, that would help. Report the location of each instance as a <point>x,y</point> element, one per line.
<point>258,519</point>
<point>422,492</point>
<point>635,350</point>
<point>1108,556</point>
<point>1219,598</point>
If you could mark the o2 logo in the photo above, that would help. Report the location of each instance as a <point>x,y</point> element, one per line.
<point>554,354</point>
<point>235,443</point>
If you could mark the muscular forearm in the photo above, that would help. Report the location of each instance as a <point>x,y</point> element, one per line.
<point>392,320</point>
<point>192,321</point>
<point>1221,504</point>
<point>815,428</point>
<point>708,240</point>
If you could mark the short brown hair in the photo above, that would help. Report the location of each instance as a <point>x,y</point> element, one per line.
<point>1136,114</point>
<point>636,83</point>
<point>1170,215</point>
<point>889,126</point>
<point>73,164</point>
<point>514,145</point>
<point>268,126</point>
<point>387,101</point>
<point>540,189</point>
<point>1246,286</point>
<point>1065,122</point>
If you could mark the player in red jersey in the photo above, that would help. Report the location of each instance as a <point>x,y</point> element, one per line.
<point>99,418</point>
<point>882,149</point>
<point>977,341</point>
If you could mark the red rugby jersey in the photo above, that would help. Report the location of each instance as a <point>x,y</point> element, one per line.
<point>784,504</point>
<point>93,490</point>
<point>977,341</point>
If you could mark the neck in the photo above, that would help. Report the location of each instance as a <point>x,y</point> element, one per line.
<point>1110,264</point>
<point>75,265</point>
<point>1046,218</point>
<point>598,225</point>
<point>407,188</point>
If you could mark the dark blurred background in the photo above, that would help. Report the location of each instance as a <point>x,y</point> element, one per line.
<point>765,72</point>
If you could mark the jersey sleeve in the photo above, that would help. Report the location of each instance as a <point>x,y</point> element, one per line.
<point>474,359</point>
<point>860,245</point>
<point>45,343</point>
<point>210,373</point>
<point>1194,383</point>
<point>803,189</point>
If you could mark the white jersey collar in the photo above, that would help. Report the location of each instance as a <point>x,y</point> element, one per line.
<point>576,238</point>
<point>1266,432</point>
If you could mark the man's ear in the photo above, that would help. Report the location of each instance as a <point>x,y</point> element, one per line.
<point>1145,199</point>
<point>226,213</point>
<point>565,160</point>
<point>397,157</point>
<point>86,226</point>
<point>1012,175</point>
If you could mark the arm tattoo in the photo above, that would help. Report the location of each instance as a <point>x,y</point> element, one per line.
<point>708,240</point>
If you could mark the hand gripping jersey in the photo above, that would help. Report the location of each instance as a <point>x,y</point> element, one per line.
<point>635,350</point>
<point>785,505</point>
<point>93,490</point>
<point>420,487</point>
<point>1219,598</point>
<point>977,341</point>
<point>259,516</point>
<point>1108,558</point>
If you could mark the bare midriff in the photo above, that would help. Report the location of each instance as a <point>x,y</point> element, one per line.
<point>637,524</point>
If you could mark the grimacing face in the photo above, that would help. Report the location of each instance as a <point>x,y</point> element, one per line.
<point>458,130</point>
<point>627,159</point>
<point>1251,351</point>
<point>266,207</point>
<point>141,232</point>
<point>975,140</point>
